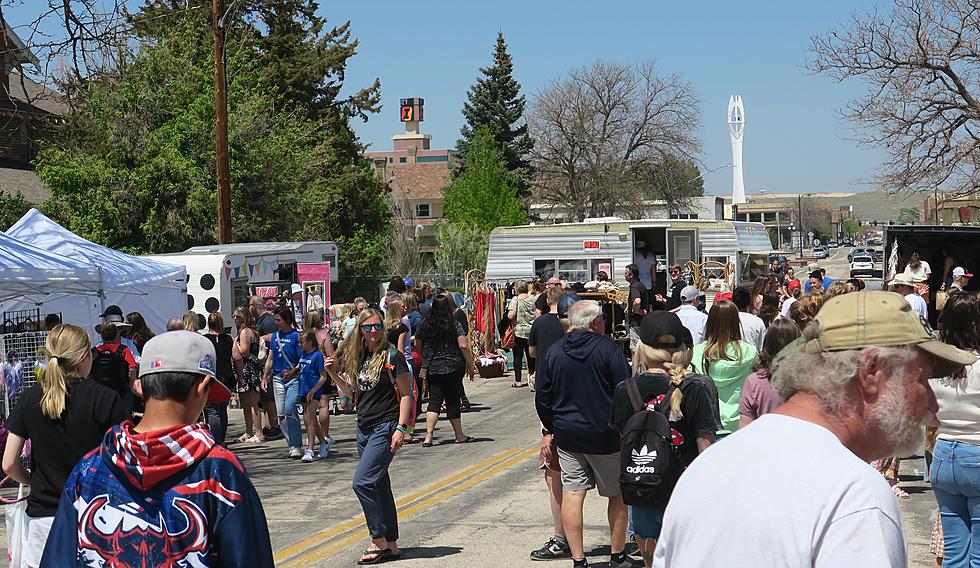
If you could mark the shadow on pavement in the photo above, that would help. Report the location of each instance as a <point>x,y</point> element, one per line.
<point>429,551</point>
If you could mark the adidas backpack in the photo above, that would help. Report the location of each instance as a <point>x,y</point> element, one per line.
<point>110,369</point>
<point>649,464</point>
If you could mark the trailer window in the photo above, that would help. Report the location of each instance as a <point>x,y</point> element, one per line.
<point>574,270</point>
<point>544,269</point>
<point>753,265</point>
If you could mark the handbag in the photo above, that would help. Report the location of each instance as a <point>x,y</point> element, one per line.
<point>509,340</point>
<point>15,513</point>
<point>941,297</point>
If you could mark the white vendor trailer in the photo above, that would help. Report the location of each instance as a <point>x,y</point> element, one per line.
<point>577,251</point>
<point>221,277</point>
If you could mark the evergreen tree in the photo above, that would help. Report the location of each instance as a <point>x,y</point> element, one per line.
<point>485,193</point>
<point>495,102</point>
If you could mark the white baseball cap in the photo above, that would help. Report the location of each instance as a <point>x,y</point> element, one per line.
<point>960,272</point>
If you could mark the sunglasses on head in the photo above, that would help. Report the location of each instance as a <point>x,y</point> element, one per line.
<point>369,327</point>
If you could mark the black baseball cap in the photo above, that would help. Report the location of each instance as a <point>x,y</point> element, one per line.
<point>663,330</point>
<point>817,274</point>
<point>564,303</point>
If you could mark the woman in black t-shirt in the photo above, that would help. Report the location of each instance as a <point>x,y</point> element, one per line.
<point>446,358</point>
<point>381,386</point>
<point>64,416</point>
<point>660,362</point>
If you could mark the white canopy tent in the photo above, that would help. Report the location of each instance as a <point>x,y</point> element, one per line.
<point>155,289</point>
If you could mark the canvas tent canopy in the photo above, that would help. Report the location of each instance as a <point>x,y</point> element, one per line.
<point>30,273</point>
<point>153,288</point>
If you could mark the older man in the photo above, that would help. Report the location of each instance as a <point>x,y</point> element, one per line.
<point>575,385</point>
<point>857,389</point>
<point>903,286</point>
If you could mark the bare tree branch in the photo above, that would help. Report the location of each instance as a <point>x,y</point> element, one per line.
<point>921,63</point>
<point>601,131</point>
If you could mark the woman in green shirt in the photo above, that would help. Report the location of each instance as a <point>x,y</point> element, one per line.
<point>725,358</point>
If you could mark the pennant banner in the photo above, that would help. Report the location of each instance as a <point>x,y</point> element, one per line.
<point>228,272</point>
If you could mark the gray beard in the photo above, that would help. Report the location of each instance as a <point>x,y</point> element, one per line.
<point>903,434</point>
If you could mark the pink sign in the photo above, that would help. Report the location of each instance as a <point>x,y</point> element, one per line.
<point>266,292</point>
<point>315,280</point>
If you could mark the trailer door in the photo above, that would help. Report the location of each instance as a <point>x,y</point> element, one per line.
<point>682,246</point>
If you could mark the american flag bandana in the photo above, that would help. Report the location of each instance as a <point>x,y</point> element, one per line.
<point>149,458</point>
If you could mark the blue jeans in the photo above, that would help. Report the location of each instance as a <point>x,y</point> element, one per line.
<point>287,394</point>
<point>646,522</point>
<point>371,482</point>
<point>955,478</point>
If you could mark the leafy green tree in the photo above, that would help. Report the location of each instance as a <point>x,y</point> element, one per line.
<point>850,227</point>
<point>133,167</point>
<point>494,102</point>
<point>908,216</point>
<point>462,246</point>
<point>485,193</point>
<point>12,208</point>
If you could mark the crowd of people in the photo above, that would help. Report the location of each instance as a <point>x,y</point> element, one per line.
<point>834,381</point>
<point>783,385</point>
<point>148,413</point>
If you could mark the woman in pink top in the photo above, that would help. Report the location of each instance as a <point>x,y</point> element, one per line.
<point>758,397</point>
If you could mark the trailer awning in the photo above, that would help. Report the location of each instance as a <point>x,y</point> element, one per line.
<point>752,237</point>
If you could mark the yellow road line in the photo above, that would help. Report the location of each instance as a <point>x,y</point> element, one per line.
<point>408,512</point>
<point>326,534</point>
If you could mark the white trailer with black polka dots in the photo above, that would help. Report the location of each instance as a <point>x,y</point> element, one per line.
<point>221,277</point>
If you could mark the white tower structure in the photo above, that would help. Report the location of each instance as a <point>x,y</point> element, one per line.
<point>736,128</point>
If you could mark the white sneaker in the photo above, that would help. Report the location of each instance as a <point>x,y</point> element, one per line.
<point>308,457</point>
<point>295,452</point>
<point>325,448</point>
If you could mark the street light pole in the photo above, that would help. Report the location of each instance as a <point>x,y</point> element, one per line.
<point>221,124</point>
<point>800,207</point>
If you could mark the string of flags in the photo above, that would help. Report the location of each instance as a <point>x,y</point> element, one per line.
<point>250,268</point>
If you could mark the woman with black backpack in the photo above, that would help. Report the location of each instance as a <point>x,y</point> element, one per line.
<point>660,369</point>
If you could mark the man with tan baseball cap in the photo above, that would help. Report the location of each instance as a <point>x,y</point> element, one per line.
<point>856,387</point>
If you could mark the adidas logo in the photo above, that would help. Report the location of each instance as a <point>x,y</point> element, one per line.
<point>644,456</point>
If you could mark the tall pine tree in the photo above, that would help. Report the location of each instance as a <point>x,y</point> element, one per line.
<point>494,102</point>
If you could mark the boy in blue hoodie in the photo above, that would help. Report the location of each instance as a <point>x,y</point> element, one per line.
<point>162,493</point>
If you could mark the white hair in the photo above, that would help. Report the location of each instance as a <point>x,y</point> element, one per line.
<point>581,314</point>
<point>827,374</point>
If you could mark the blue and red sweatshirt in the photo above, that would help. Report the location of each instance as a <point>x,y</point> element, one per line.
<point>159,499</point>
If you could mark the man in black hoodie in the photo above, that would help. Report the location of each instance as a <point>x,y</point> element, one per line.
<point>574,390</point>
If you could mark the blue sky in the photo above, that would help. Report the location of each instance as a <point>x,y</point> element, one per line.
<point>794,139</point>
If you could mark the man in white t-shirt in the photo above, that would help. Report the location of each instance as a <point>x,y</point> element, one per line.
<point>903,286</point>
<point>753,328</point>
<point>802,492</point>
<point>693,319</point>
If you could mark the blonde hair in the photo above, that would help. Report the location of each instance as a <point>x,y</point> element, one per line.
<point>313,320</point>
<point>674,361</point>
<point>352,350</point>
<point>190,321</point>
<point>393,314</point>
<point>67,346</point>
<point>836,289</point>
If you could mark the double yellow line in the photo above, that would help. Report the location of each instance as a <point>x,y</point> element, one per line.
<point>332,540</point>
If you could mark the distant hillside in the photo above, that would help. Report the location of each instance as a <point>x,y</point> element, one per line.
<point>878,205</point>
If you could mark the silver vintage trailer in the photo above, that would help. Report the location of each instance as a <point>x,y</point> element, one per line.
<point>577,251</point>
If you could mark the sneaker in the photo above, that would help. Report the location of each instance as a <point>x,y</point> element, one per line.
<point>583,563</point>
<point>552,550</point>
<point>308,457</point>
<point>325,448</point>
<point>632,549</point>
<point>295,452</point>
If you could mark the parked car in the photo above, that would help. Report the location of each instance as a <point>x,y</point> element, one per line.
<point>877,254</point>
<point>847,244</point>
<point>820,251</point>
<point>862,265</point>
<point>833,244</point>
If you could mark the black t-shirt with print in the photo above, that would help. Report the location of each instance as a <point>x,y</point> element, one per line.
<point>699,415</point>
<point>376,402</point>
<point>57,445</point>
<point>395,332</point>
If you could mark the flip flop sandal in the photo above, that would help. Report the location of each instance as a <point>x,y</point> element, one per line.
<point>426,444</point>
<point>379,557</point>
<point>465,440</point>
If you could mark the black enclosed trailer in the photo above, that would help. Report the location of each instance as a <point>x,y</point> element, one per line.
<point>944,248</point>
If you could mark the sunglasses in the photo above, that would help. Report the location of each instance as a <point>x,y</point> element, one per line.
<point>369,327</point>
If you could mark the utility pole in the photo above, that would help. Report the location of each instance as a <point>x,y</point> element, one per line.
<point>221,123</point>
